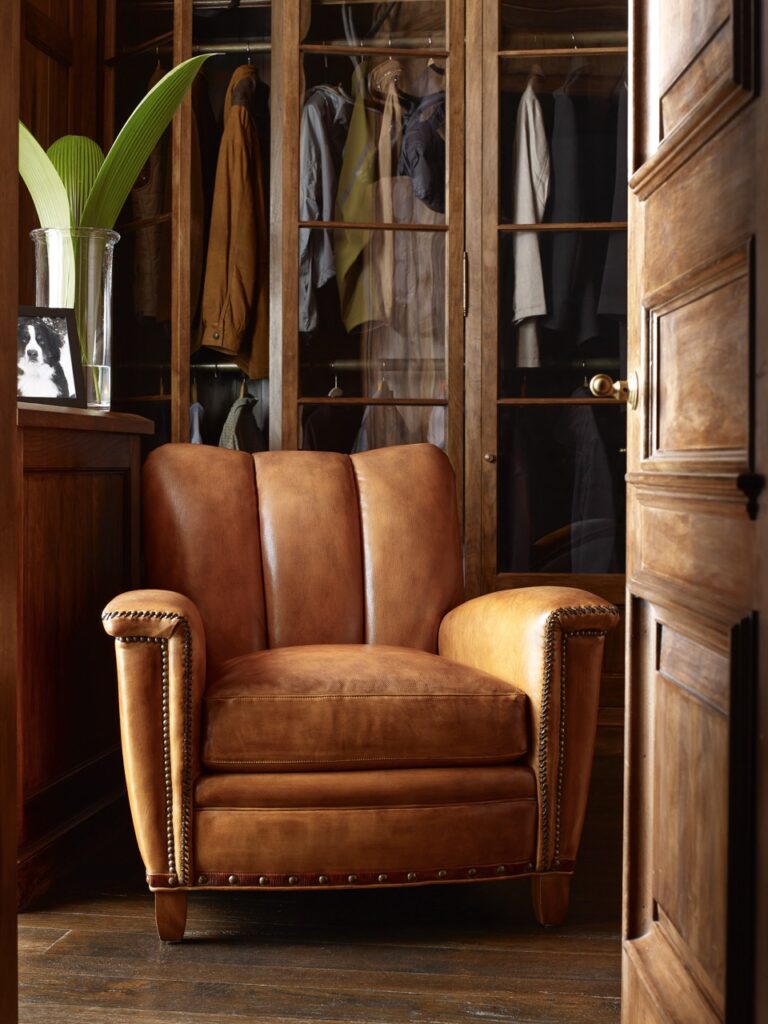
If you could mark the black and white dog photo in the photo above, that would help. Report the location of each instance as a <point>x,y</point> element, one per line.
<point>45,358</point>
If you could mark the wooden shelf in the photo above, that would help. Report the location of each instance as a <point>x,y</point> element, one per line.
<point>362,400</point>
<point>573,51</point>
<point>560,401</point>
<point>343,225</point>
<point>375,51</point>
<point>583,225</point>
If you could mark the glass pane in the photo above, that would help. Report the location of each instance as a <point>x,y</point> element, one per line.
<point>562,311</point>
<point>561,488</point>
<point>372,313</point>
<point>372,141</point>
<point>554,24</point>
<point>230,24</point>
<point>415,23</point>
<point>563,139</point>
<point>358,428</point>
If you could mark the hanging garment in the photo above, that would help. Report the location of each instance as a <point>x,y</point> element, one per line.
<point>235,296</point>
<point>150,197</point>
<point>240,430</point>
<point>531,188</point>
<point>613,293</point>
<point>579,173</point>
<point>196,413</point>
<point>422,158</point>
<point>382,425</point>
<point>324,126</point>
<point>358,284</point>
<point>383,84</point>
<point>414,334</point>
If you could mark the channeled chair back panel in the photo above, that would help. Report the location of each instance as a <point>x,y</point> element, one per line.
<point>289,548</point>
<point>411,543</point>
<point>311,548</point>
<point>201,538</point>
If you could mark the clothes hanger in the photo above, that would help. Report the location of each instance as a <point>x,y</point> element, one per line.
<point>243,389</point>
<point>335,391</point>
<point>432,63</point>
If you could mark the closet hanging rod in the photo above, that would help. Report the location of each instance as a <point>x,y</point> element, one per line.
<point>161,45</point>
<point>255,46</point>
<point>393,365</point>
<point>216,367</point>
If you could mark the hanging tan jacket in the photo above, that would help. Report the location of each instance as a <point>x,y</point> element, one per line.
<point>235,298</point>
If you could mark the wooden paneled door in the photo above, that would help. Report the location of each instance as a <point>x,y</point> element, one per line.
<point>696,517</point>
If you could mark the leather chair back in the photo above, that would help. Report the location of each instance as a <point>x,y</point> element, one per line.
<point>296,547</point>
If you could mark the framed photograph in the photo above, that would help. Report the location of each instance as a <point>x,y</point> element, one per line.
<point>48,363</point>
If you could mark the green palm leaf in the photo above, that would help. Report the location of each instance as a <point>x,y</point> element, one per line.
<point>43,181</point>
<point>132,147</point>
<point>78,161</point>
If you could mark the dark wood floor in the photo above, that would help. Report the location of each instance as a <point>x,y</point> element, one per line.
<point>89,953</point>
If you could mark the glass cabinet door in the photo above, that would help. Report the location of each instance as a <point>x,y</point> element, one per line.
<point>372,315</point>
<point>554,315</point>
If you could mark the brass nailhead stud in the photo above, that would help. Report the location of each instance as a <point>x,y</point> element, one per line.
<point>202,879</point>
<point>323,879</point>
<point>292,880</point>
<point>442,874</point>
<point>529,867</point>
<point>263,880</point>
<point>172,880</point>
<point>501,869</point>
<point>216,335</point>
<point>233,879</point>
<point>556,863</point>
<point>472,872</point>
<point>411,876</point>
<point>352,878</point>
<point>383,878</point>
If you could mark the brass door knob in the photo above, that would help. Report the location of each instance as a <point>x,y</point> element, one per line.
<point>489,457</point>
<point>603,386</point>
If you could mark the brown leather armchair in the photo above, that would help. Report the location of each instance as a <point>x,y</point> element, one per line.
<point>306,703</point>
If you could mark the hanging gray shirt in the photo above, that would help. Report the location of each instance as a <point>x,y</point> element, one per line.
<point>324,125</point>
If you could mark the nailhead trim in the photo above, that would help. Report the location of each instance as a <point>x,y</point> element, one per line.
<point>185,844</point>
<point>248,880</point>
<point>553,621</point>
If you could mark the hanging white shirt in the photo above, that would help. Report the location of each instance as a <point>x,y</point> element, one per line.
<point>530,192</point>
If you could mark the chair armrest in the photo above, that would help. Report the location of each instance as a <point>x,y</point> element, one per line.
<point>547,641</point>
<point>160,651</point>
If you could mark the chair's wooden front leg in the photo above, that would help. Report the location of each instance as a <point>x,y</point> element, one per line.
<point>171,915</point>
<point>550,895</point>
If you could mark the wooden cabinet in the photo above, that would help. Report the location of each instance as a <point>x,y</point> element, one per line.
<point>79,546</point>
<point>398,310</point>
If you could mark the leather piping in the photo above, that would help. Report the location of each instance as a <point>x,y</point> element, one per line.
<point>184,874</point>
<point>545,862</point>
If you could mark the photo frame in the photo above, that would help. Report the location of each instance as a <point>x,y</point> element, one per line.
<point>48,362</point>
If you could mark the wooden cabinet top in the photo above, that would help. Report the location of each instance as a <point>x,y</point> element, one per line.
<point>30,414</point>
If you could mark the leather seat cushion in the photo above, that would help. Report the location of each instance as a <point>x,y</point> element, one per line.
<point>356,706</point>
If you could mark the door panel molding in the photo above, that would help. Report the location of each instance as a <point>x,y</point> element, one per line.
<point>706,83</point>
<point>695,428</point>
<point>742,824</point>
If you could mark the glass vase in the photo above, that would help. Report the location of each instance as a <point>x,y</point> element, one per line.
<point>73,270</point>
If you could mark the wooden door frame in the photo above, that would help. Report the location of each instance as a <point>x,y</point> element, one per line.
<point>9,290</point>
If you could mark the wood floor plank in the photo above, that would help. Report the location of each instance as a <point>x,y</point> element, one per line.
<point>549,1004</point>
<point>39,940</point>
<point>229,950</point>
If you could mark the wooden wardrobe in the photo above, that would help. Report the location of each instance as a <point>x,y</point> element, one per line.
<point>436,352</point>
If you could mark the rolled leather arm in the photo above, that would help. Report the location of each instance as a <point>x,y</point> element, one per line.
<point>547,641</point>
<point>160,650</point>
